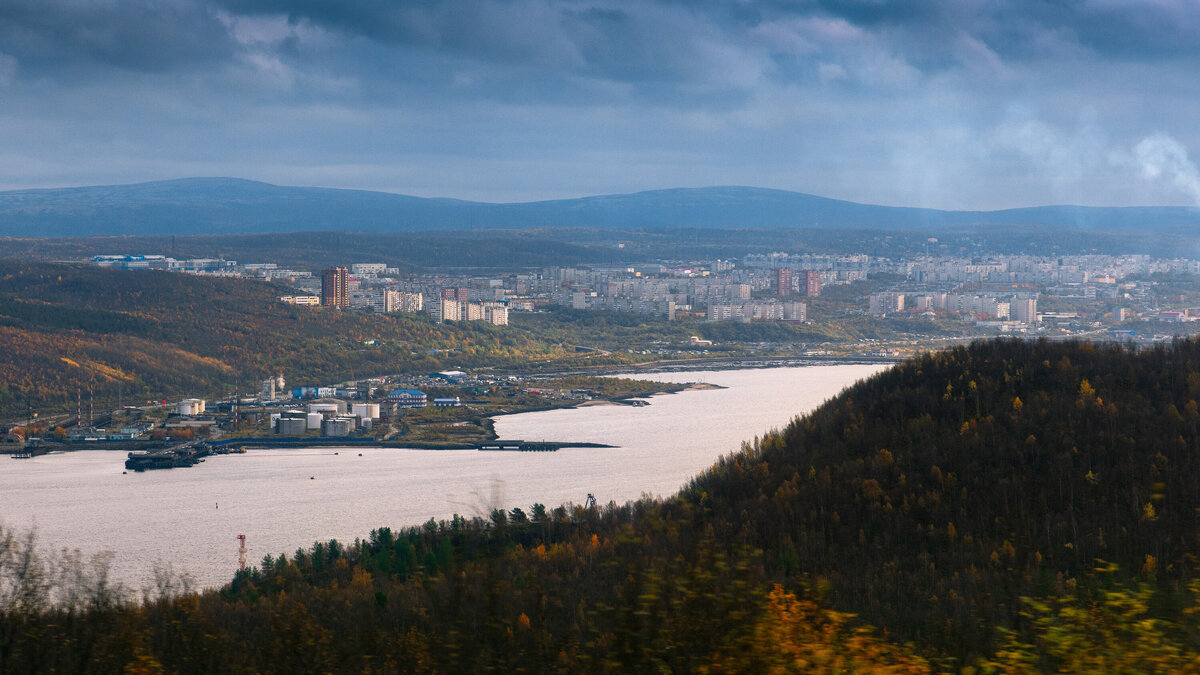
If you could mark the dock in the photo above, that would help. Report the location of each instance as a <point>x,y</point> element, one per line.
<point>187,454</point>
<point>194,452</point>
<point>520,446</point>
<point>28,451</point>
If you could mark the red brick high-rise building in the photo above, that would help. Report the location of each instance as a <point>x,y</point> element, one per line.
<point>812,283</point>
<point>459,294</point>
<point>783,281</point>
<point>335,291</point>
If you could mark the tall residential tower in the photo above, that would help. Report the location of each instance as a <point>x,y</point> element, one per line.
<point>335,288</point>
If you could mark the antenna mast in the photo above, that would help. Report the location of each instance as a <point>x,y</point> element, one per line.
<point>241,551</point>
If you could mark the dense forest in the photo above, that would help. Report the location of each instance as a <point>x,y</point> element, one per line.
<point>534,247</point>
<point>1008,506</point>
<point>150,335</point>
<point>507,250</point>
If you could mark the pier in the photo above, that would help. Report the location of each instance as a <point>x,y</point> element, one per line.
<point>28,451</point>
<point>188,454</point>
<point>194,452</point>
<point>520,446</point>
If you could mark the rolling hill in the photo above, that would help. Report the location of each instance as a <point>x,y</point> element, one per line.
<point>227,205</point>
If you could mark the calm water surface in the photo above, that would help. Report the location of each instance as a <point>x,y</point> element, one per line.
<point>284,499</point>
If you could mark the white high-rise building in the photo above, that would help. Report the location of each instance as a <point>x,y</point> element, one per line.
<point>886,303</point>
<point>449,310</point>
<point>1024,310</point>
<point>496,314</point>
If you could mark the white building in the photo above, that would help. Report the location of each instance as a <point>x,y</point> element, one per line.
<point>762,311</point>
<point>886,303</point>
<point>367,411</point>
<point>447,310</point>
<point>305,300</point>
<point>1024,310</point>
<point>496,315</point>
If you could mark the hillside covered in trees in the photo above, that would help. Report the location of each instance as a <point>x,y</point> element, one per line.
<point>150,334</point>
<point>1009,507</point>
<point>531,247</point>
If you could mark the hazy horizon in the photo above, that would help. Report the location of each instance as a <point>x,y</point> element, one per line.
<point>570,197</point>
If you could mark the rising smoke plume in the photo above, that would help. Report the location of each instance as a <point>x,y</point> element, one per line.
<point>1162,158</point>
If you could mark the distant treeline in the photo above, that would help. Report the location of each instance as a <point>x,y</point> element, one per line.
<point>541,247</point>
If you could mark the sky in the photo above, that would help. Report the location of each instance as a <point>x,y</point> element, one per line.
<point>958,104</point>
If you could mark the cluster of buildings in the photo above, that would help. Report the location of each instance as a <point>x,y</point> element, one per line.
<point>201,266</point>
<point>340,290</point>
<point>415,398</point>
<point>455,305</point>
<point>758,311</point>
<point>1021,308</point>
<point>788,283</point>
<point>329,416</point>
<point>767,287</point>
<point>719,290</point>
<point>341,410</point>
<point>1005,290</point>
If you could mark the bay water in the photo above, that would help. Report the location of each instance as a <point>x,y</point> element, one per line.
<point>188,519</point>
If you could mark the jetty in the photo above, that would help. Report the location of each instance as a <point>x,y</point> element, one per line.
<point>237,444</point>
<point>187,454</point>
<point>194,452</point>
<point>520,446</point>
<point>29,451</point>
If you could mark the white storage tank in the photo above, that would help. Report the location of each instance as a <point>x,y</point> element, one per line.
<point>290,427</point>
<point>190,406</point>
<point>314,420</point>
<point>338,426</point>
<point>323,408</point>
<point>367,411</point>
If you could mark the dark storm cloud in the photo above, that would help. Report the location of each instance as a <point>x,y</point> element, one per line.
<point>622,41</point>
<point>943,103</point>
<point>632,42</point>
<point>154,35</point>
<point>1018,28</point>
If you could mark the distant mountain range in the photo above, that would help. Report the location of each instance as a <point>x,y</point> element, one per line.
<point>230,205</point>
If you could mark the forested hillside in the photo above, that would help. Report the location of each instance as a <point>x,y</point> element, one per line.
<point>230,205</point>
<point>1009,506</point>
<point>532,247</point>
<point>149,334</point>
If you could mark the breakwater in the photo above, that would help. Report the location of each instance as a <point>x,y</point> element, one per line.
<point>305,442</point>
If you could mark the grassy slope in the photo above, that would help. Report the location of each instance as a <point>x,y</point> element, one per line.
<point>159,334</point>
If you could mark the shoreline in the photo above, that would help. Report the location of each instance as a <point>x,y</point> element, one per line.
<point>630,371</point>
<point>666,366</point>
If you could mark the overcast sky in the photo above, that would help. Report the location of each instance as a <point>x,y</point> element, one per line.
<point>960,104</point>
